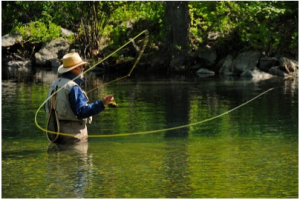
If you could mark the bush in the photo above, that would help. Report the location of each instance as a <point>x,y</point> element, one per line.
<point>39,31</point>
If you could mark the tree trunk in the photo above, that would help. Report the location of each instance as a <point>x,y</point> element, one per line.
<point>177,27</point>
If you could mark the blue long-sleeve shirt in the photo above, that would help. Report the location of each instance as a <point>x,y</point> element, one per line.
<point>78,100</point>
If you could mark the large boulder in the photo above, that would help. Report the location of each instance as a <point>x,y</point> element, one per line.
<point>226,67</point>
<point>276,70</point>
<point>246,61</point>
<point>9,40</point>
<point>51,52</point>
<point>266,63</point>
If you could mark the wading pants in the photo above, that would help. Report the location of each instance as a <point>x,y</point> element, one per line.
<point>77,129</point>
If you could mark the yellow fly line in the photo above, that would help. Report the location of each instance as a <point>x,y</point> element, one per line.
<point>145,32</point>
<point>118,79</point>
<point>172,128</point>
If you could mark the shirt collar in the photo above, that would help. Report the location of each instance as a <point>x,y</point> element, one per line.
<point>70,75</point>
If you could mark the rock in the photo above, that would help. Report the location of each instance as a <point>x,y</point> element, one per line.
<point>205,71</point>
<point>226,67</point>
<point>266,63</point>
<point>9,40</point>
<point>288,65</point>
<point>55,63</point>
<point>277,71</point>
<point>50,53</point>
<point>43,56</point>
<point>256,74</point>
<point>66,33</point>
<point>246,61</point>
<point>219,64</point>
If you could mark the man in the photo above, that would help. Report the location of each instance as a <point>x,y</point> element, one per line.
<point>71,102</point>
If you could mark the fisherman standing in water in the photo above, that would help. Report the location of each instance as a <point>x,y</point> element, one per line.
<point>68,110</point>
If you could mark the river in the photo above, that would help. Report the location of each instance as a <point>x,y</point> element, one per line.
<point>251,152</point>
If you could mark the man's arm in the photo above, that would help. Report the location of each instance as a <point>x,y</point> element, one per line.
<point>79,105</point>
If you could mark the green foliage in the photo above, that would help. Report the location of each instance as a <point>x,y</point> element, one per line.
<point>259,28</point>
<point>269,26</point>
<point>134,17</point>
<point>261,25</point>
<point>39,31</point>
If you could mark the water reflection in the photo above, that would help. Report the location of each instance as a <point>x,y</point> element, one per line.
<point>43,76</point>
<point>176,171</point>
<point>69,168</point>
<point>177,105</point>
<point>18,70</point>
<point>176,158</point>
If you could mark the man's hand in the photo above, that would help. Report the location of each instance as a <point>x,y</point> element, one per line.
<point>107,99</point>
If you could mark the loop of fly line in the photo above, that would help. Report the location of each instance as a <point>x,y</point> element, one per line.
<point>145,32</point>
<point>118,79</point>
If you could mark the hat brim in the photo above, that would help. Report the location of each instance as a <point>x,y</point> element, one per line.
<point>62,69</point>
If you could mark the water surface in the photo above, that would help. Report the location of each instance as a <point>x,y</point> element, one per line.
<point>250,153</point>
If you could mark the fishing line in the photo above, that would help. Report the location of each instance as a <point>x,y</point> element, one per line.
<point>179,127</point>
<point>145,32</point>
<point>118,79</point>
<point>134,65</point>
<point>187,125</point>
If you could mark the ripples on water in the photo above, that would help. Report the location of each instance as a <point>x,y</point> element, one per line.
<point>249,153</point>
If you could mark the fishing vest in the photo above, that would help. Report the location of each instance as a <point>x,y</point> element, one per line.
<point>62,103</point>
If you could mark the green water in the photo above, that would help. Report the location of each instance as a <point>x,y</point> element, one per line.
<point>249,153</point>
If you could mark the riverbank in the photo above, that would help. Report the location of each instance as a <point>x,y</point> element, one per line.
<point>204,63</point>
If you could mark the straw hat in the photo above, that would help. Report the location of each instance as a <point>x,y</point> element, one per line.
<point>70,61</point>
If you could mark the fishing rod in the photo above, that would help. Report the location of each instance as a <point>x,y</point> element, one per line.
<point>145,32</point>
